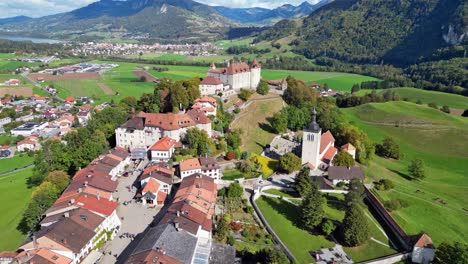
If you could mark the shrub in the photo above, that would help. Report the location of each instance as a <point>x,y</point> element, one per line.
<point>231,240</point>
<point>433,105</point>
<point>230,155</point>
<point>236,110</point>
<point>245,94</point>
<point>395,204</point>
<point>384,185</point>
<point>235,226</point>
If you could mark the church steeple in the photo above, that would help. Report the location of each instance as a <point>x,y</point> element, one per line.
<point>313,126</point>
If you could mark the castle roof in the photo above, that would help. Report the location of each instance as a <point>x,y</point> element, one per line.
<point>210,80</point>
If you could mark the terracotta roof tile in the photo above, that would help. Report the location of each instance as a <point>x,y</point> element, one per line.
<point>164,144</point>
<point>151,186</point>
<point>326,139</point>
<point>190,164</point>
<point>210,80</point>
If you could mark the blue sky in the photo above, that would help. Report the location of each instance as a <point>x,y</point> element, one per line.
<point>37,8</point>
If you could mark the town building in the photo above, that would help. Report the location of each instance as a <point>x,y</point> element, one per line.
<point>28,129</point>
<point>206,104</point>
<point>205,165</point>
<point>144,129</point>
<point>337,174</point>
<point>423,250</point>
<point>29,143</point>
<point>163,149</point>
<point>161,172</point>
<point>318,150</point>
<point>235,76</point>
<point>5,121</point>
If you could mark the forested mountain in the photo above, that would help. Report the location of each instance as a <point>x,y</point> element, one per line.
<point>156,19</point>
<point>258,15</point>
<point>372,31</point>
<point>14,19</point>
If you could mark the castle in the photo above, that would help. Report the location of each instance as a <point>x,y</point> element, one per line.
<point>235,76</point>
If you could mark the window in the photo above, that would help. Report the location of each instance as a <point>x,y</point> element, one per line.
<point>310,137</point>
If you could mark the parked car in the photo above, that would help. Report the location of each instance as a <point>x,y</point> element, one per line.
<point>125,174</point>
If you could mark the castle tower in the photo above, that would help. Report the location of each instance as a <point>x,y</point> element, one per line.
<point>311,142</point>
<point>255,74</point>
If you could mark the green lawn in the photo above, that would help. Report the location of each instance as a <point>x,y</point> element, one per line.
<point>440,140</point>
<point>7,55</point>
<point>283,218</point>
<point>5,138</point>
<point>14,197</point>
<point>254,124</point>
<point>283,193</point>
<point>232,175</point>
<point>439,98</point>
<point>15,162</point>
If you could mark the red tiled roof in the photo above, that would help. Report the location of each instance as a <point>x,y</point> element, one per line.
<point>210,80</point>
<point>151,256</point>
<point>69,99</point>
<point>101,206</point>
<point>424,242</point>
<point>158,167</point>
<point>171,121</point>
<point>328,156</point>
<point>326,139</point>
<point>151,186</point>
<point>8,254</point>
<point>164,144</point>
<point>161,197</point>
<point>198,116</point>
<point>206,98</point>
<point>190,164</point>
<point>255,64</point>
<point>237,67</point>
<point>310,165</point>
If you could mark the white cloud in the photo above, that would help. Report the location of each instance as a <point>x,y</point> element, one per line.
<point>38,8</point>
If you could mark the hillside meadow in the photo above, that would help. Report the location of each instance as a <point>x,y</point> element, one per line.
<point>439,98</point>
<point>437,203</point>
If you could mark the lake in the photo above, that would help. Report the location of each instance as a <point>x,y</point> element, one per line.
<point>34,40</point>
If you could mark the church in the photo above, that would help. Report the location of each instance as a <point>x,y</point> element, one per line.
<point>318,150</point>
<point>235,76</point>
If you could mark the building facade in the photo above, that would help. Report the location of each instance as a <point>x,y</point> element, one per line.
<point>235,76</point>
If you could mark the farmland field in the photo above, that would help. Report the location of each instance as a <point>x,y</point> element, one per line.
<point>437,203</point>
<point>13,188</point>
<point>78,88</point>
<point>439,98</point>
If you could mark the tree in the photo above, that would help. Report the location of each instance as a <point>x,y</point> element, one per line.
<point>355,193</point>
<point>355,88</point>
<point>179,97</point>
<point>149,103</point>
<point>270,255</point>
<point>453,253</point>
<point>233,139</point>
<point>245,94</point>
<point>59,178</point>
<point>263,87</point>
<point>327,227</point>
<point>42,198</point>
<point>343,158</point>
<point>445,109</point>
<point>279,122</point>
<point>388,149</point>
<point>465,113</point>
<point>355,226</point>
<point>303,182</point>
<point>235,190</point>
<point>128,103</point>
<point>198,141</point>
<point>311,208</point>
<point>289,162</point>
<point>416,169</point>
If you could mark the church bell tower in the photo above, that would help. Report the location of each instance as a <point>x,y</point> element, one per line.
<point>311,142</point>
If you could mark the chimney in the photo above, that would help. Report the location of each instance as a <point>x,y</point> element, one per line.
<point>176,225</point>
<point>178,213</point>
<point>66,214</point>
<point>85,183</point>
<point>72,201</point>
<point>34,243</point>
<point>80,190</point>
<point>98,196</point>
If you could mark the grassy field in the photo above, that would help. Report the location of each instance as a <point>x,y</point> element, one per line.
<point>284,218</point>
<point>14,197</point>
<point>232,175</point>
<point>439,98</point>
<point>253,122</point>
<point>15,162</point>
<point>440,140</point>
<point>283,193</point>
<point>78,88</point>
